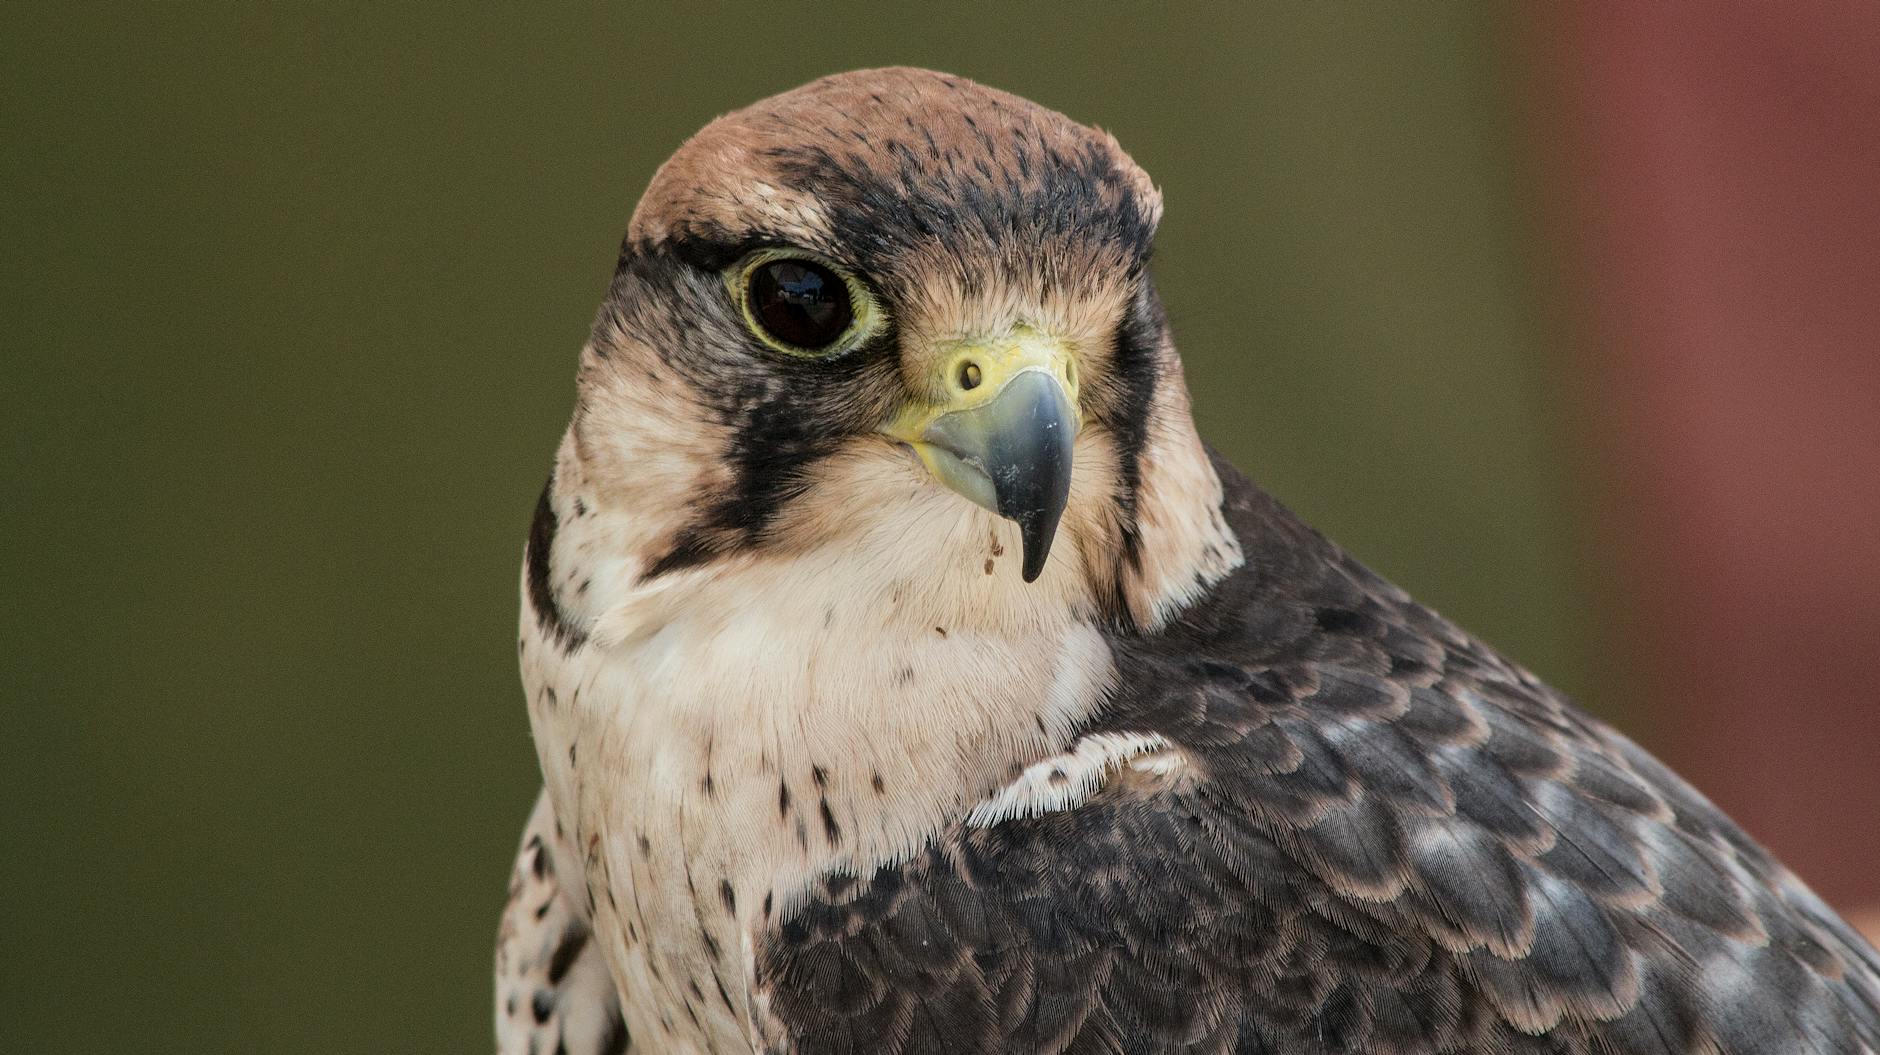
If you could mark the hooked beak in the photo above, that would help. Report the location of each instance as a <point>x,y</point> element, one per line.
<point>1002,437</point>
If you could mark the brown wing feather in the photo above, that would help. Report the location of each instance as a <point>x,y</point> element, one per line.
<point>1388,839</point>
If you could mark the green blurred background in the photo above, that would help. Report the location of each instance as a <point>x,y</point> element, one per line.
<point>292,296</point>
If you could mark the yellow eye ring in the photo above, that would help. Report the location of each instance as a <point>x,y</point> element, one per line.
<point>802,303</point>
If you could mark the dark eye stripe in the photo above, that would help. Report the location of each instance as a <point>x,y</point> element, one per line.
<point>799,302</point>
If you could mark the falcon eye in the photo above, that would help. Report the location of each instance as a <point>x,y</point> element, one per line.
<point>802,305</point>
<point>800,302</point>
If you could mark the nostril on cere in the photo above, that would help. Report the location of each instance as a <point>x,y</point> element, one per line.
<point>969,375</point>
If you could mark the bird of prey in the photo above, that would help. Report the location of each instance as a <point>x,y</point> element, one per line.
<point>908,676</point>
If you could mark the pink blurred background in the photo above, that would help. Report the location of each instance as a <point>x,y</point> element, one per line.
<point>1719,179</point>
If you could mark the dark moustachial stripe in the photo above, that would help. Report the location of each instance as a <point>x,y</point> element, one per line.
<point>1136,368</point>
<point>548,614</point>
<point>777,435</point>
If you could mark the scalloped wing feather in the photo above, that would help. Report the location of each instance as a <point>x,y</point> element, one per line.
<point>1383,838</point>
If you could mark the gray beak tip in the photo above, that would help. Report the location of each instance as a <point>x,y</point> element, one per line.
<point>1037,539</point>
<point>1017,446</point>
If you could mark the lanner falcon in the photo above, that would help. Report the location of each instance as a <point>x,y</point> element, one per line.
<point>908,676</point>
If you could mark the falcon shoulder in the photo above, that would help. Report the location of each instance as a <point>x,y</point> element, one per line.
<point>1377,836</point>
<point>554,995</point>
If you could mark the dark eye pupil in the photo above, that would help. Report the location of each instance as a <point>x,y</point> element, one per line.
<point>800,302</point>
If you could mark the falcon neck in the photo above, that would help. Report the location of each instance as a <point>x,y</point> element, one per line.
<point>719,741</point>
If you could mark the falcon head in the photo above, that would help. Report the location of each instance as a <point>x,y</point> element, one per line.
<point>903,318</point>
